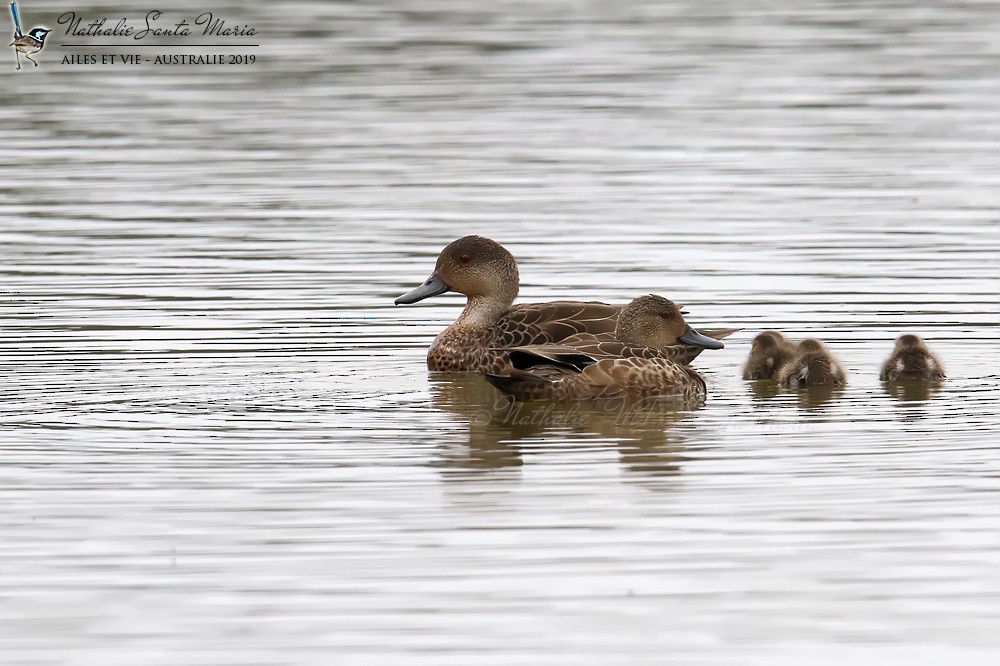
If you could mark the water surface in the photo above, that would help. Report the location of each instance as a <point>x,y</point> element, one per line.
<point>220,443</point>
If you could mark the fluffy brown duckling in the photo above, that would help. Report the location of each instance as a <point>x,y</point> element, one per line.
<point>813,365</point>
<point>769,353</point>
<point>911,360</point>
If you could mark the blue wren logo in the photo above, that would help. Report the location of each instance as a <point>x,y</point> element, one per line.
<point>26,44</point>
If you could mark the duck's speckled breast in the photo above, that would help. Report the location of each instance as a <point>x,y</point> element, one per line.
<point>460,349</point>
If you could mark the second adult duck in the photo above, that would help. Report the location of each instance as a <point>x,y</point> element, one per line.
<point>486,273</point>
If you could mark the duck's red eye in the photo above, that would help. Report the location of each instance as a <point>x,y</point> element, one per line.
<point>465,258</point>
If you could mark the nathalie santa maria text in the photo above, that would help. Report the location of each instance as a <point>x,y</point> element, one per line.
<point>205,23</point>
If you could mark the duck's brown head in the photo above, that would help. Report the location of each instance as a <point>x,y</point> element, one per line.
<point>653,321</point>
<point>909,341</point>
<point>812,345</point>
<point>768,340</point>
<point>474,266</point>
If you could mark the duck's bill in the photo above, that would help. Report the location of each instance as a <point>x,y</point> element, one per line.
<point>696,339</point>
<point>433,286</point>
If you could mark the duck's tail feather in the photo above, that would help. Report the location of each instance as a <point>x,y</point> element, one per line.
<point>521,385</point>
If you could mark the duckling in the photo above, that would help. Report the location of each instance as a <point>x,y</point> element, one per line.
<point>569,374</point>
<point>813,365</point>
<point>487,274</point>
<point>769,352</point>
<point>911,360</point>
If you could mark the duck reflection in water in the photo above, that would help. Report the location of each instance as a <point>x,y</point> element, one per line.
<point>806,397</point>
<point>912,391</point>
<point>764,389</point>
<point>815,397</point>
<point>499,430</point>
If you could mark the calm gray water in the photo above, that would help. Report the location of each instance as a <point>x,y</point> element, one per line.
<point>219,443</point>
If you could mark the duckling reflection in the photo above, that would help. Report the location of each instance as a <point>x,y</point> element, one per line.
<point>642,429</point>
<point>765,389</point>
<point>814,397</point>
<point>912,390</point>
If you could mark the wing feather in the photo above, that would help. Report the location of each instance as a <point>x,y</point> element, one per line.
<point>542,323</point>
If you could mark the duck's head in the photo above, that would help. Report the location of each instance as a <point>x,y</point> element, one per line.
<point>909,341</point>
<point>812,346</point>
<point>653,321</point>
<point>768,340</point>
<point>474,266</point>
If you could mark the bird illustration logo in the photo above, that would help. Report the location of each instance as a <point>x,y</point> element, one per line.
<point>26,44</point>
